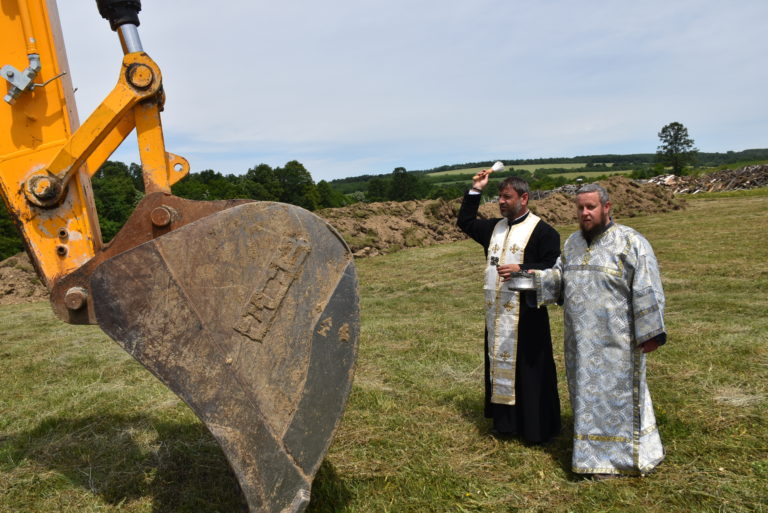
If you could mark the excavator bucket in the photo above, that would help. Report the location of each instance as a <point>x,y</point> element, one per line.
<point>247,310</point>
<point>250,315</point>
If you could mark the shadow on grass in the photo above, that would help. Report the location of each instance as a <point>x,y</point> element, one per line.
<point>558,448</point>
<point>179,467</point>
<point>329,494</point>
<point>471,408</point>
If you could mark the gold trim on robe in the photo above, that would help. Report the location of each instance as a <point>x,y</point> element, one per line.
<point>614,301</point>
<point>507,246</point>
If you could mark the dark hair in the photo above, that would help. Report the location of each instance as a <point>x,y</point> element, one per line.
<point>593,187</point>
<point>518,184</point>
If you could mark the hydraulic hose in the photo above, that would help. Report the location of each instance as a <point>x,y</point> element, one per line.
<point>26,24</point>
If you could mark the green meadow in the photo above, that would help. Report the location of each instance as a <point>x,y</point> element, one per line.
<point>525,167</point>
<point>591,174</point>
<point>83,428</point>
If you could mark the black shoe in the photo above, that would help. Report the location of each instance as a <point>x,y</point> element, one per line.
<point>502,435</point>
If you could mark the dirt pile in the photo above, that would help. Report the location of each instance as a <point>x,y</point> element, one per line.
<point>375,228</point>
<point>748,177</point>
<point>19,282</point>
<point>629,199</point>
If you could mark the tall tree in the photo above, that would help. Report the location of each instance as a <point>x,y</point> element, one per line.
<point>208,185</point>
<point>261,183</point>
<point>406,186</point>
<point>298,186</point>
<point>329,197</point>
<point>10,238</point>
<point>115,196</point>
<point>676,147</point>
<point>377,189</point>
<point>137,175</point>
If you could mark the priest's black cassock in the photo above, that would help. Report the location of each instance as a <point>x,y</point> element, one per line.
<point>535,416</point>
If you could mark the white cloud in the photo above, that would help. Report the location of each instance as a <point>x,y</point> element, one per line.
<point>351,87</point>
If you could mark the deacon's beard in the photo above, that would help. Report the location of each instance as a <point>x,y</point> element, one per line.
<point>596,230</point>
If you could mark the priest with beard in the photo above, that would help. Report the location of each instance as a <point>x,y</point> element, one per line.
<point>520,377</point>
<point>608,281</point>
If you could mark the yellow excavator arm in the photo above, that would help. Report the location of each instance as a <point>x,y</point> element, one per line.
<point>247,310</point>
<point>47,160</point>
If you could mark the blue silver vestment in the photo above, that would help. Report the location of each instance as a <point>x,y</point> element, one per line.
<point>613,300</point>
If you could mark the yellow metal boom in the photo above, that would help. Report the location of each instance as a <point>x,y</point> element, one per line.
<point>46,163</point>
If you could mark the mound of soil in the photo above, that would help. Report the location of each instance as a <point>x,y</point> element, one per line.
<point>629,199</point>
<point>19,282</point>
<point>376,228</point>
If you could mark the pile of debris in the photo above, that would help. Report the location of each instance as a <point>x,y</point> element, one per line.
<point>567,189</point>
<point>629,198</point>
<point>748,177</point>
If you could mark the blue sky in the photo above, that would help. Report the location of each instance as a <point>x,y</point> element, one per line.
<point>353,87</point>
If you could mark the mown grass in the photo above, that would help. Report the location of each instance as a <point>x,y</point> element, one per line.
<point>526,167</point>
<point>84,428</point>
<point>592,174</point>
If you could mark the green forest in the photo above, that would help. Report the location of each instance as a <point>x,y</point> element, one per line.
<point>436,183</point>
<point>119,187</point>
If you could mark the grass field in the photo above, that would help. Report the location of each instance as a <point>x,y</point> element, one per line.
<point>85,429</point>
<point>591,174</point>
<point>526,167</point>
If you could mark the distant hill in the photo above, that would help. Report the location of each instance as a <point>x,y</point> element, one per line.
<point>543,173</point>
<point>704,159</point>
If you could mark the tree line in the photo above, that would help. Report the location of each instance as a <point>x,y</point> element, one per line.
<point>402,185</point>
<point>645,163</point>
<point>118,188</point>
